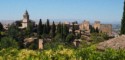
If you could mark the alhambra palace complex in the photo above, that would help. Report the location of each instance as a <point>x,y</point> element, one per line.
<point>85,26</point>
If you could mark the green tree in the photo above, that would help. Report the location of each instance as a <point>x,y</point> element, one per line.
<point>8,42</point>
<point>95,37</point>
<point>99,37</point>
<point>44,29</point>
<point>18,23</point>
<point>65,31</point>
<point>40,28</point>
<point>29,29</point>
<point>62,35</point>
<point>73,28</point>
<point>97,30</point>
<point>59,28</point>
<point>123,22</point>
<point>33,45</point>
<point>92,29</point>
<point>58,38</point>
<point>1,27</point>
<point>70,37</point>
<point>53,29</point>
<point>13,31</point>
<point>48,26</point>
<point>60,31</point>
<point>104,35</point>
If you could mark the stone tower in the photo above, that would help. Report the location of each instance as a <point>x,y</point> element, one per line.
<point>40,45</point>
<point>96,25</point>
<point>25,21</point>
<point>85,26</point>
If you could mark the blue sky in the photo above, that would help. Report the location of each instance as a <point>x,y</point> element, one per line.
<point>107,11</point>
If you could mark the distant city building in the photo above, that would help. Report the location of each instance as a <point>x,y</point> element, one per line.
<point>5,26</point>
<point>66,22</point>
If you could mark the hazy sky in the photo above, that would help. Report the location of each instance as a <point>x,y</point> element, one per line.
<point>109,11</point>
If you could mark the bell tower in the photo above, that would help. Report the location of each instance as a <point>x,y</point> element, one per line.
<point>25,21</point>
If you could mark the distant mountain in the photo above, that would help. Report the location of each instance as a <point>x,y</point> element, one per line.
<point>7,21</point>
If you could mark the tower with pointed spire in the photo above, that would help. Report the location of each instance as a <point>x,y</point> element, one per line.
<point>25,21</point>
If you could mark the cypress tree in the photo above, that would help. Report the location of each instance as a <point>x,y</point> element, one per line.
<point>1,29</point>
<point>1,26</point>
<point>123,22</point>
<point>53,29</point>
<point>97,30</point>
<point>44,29</point>
<point>40,27</point>
<point>73,28</point>
<point>92,29</point>
<point>47,26</point>
<point>59,28</point>
<point>65,30</point>
<point>62,34</point>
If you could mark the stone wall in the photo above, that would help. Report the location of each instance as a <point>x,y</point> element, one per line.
<point>96,25</point>
<point>85,26</point>
<point>106,28</point>
<point>40,45</point>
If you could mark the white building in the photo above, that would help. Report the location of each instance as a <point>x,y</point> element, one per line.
<point>25,21</point>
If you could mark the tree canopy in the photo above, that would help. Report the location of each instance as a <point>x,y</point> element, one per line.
<point>123,22</point>
<point>1,26</point>
<point>8,42</point>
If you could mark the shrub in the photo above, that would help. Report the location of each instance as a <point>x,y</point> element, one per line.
<point>8,42</point>
<point>70,38</point>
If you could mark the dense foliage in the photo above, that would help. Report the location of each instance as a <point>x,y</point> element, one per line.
<point>123,22</point>
<point>1,27</point>
<point>62,53</point>
<point>40,28</point>
<point>8,42</point>
<point>58,43</point>
<point>99,37</point>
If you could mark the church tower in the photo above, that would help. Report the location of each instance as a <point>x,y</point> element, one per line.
<point>25,21</point>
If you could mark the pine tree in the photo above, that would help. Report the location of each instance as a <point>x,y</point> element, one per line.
<point>40,27</point>
<point>123,22</point>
